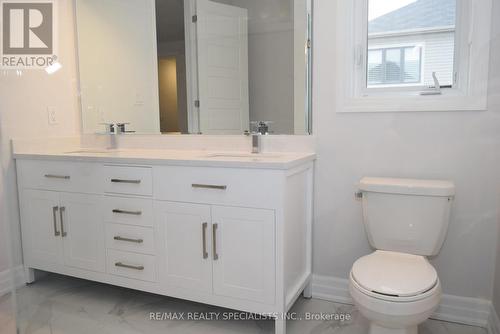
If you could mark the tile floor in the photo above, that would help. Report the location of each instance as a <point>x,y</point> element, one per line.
<point>62,305</point>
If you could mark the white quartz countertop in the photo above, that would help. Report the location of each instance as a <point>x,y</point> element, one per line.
<point>274,160</point>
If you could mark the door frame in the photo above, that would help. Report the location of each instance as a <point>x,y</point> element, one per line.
<point>192,89</point>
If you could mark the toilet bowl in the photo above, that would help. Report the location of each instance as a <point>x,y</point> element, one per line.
<point>406,220</point>
<point>395,301</point>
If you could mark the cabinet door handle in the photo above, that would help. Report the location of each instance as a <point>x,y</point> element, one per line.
<point>125,212</point>
<point>204,238</point>
<point>54,216</point>
<point>208,186</point>
<point>128,266</point>
<point>62,209</point>
<point>137,241</point>
<point>52,176</point>
<point>214,240</point>
<point>125,181</point>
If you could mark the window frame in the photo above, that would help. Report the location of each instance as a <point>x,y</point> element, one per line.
<point>469,91</point>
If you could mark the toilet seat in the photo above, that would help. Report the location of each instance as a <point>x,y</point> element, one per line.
<point>394,276</point>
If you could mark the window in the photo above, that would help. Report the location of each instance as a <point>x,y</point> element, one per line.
<point>393,50</point>
<point>414,22</point>
<point>394,66</point>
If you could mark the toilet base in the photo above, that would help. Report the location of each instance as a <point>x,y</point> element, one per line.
<point>377,329</point>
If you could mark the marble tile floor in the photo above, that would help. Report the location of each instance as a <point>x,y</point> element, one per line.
<point>63,305</point>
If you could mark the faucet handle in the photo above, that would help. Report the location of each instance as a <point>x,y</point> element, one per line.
<point>115,128</point>
<point>110,128</point>
<point>122,128</point>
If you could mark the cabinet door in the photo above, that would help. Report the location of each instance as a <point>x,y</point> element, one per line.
<point>41,231</point>
<point>186,241</point>
<point>244,253</point>
<point>82,231</point>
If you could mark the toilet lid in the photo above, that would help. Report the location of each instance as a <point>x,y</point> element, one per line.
<point>394,274</point>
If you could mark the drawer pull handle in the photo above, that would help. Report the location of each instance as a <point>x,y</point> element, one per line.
<point>61,177</point>
<point>125,181</point>
<point>54,216</point>
<point>137,241</point>
<point>128,266</point>
<point>61,216</point>
<point>204,239</point>
<point>125,212</point>
<point>208,186</point>
<point>214,240</point>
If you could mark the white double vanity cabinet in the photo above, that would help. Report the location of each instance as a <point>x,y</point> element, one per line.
<point>228,231</point>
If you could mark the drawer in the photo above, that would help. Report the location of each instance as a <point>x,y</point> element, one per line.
<point>128,180</point>
<point>131,265</point>
<point>231,186</point>
<point>66,176</point>
<point>130,238</point>
<point>131,211</point>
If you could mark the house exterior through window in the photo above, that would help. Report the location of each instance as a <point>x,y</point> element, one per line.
<point>408,44</point>
<point>395,66</point>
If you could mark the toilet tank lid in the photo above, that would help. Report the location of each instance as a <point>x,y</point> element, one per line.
<point>407,186</point>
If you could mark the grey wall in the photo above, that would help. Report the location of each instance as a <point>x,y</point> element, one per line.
<point>496,283</point>
<point>461,146</point>
<point>495,104</point>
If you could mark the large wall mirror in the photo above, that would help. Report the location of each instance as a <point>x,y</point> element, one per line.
<point>195,66</point>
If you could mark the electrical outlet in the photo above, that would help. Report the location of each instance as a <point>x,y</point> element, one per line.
<point>52,115</point>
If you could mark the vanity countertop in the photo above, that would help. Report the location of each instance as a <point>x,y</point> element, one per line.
<point>274,160</point>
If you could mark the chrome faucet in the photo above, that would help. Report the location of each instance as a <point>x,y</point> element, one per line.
<point>110,129</point>
<point>256,142</point>
<point>113,129</point>
<point>116,128</point>
<point>261,129</point>
<point>122,128</point>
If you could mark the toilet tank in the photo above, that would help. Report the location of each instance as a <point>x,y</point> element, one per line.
<point>406,215</point>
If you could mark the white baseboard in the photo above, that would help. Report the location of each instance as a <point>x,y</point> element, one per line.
<point>463,310</point>
<point>494,322</point>
<point>331,288</point>
<point>11,278</point>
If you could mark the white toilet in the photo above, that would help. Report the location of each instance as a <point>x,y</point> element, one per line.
<point>406,220</point>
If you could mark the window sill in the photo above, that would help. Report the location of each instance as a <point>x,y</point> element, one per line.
<point>414,103</point>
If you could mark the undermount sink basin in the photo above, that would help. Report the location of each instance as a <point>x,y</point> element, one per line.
<point>244,155</point>
<point>92,151</point>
